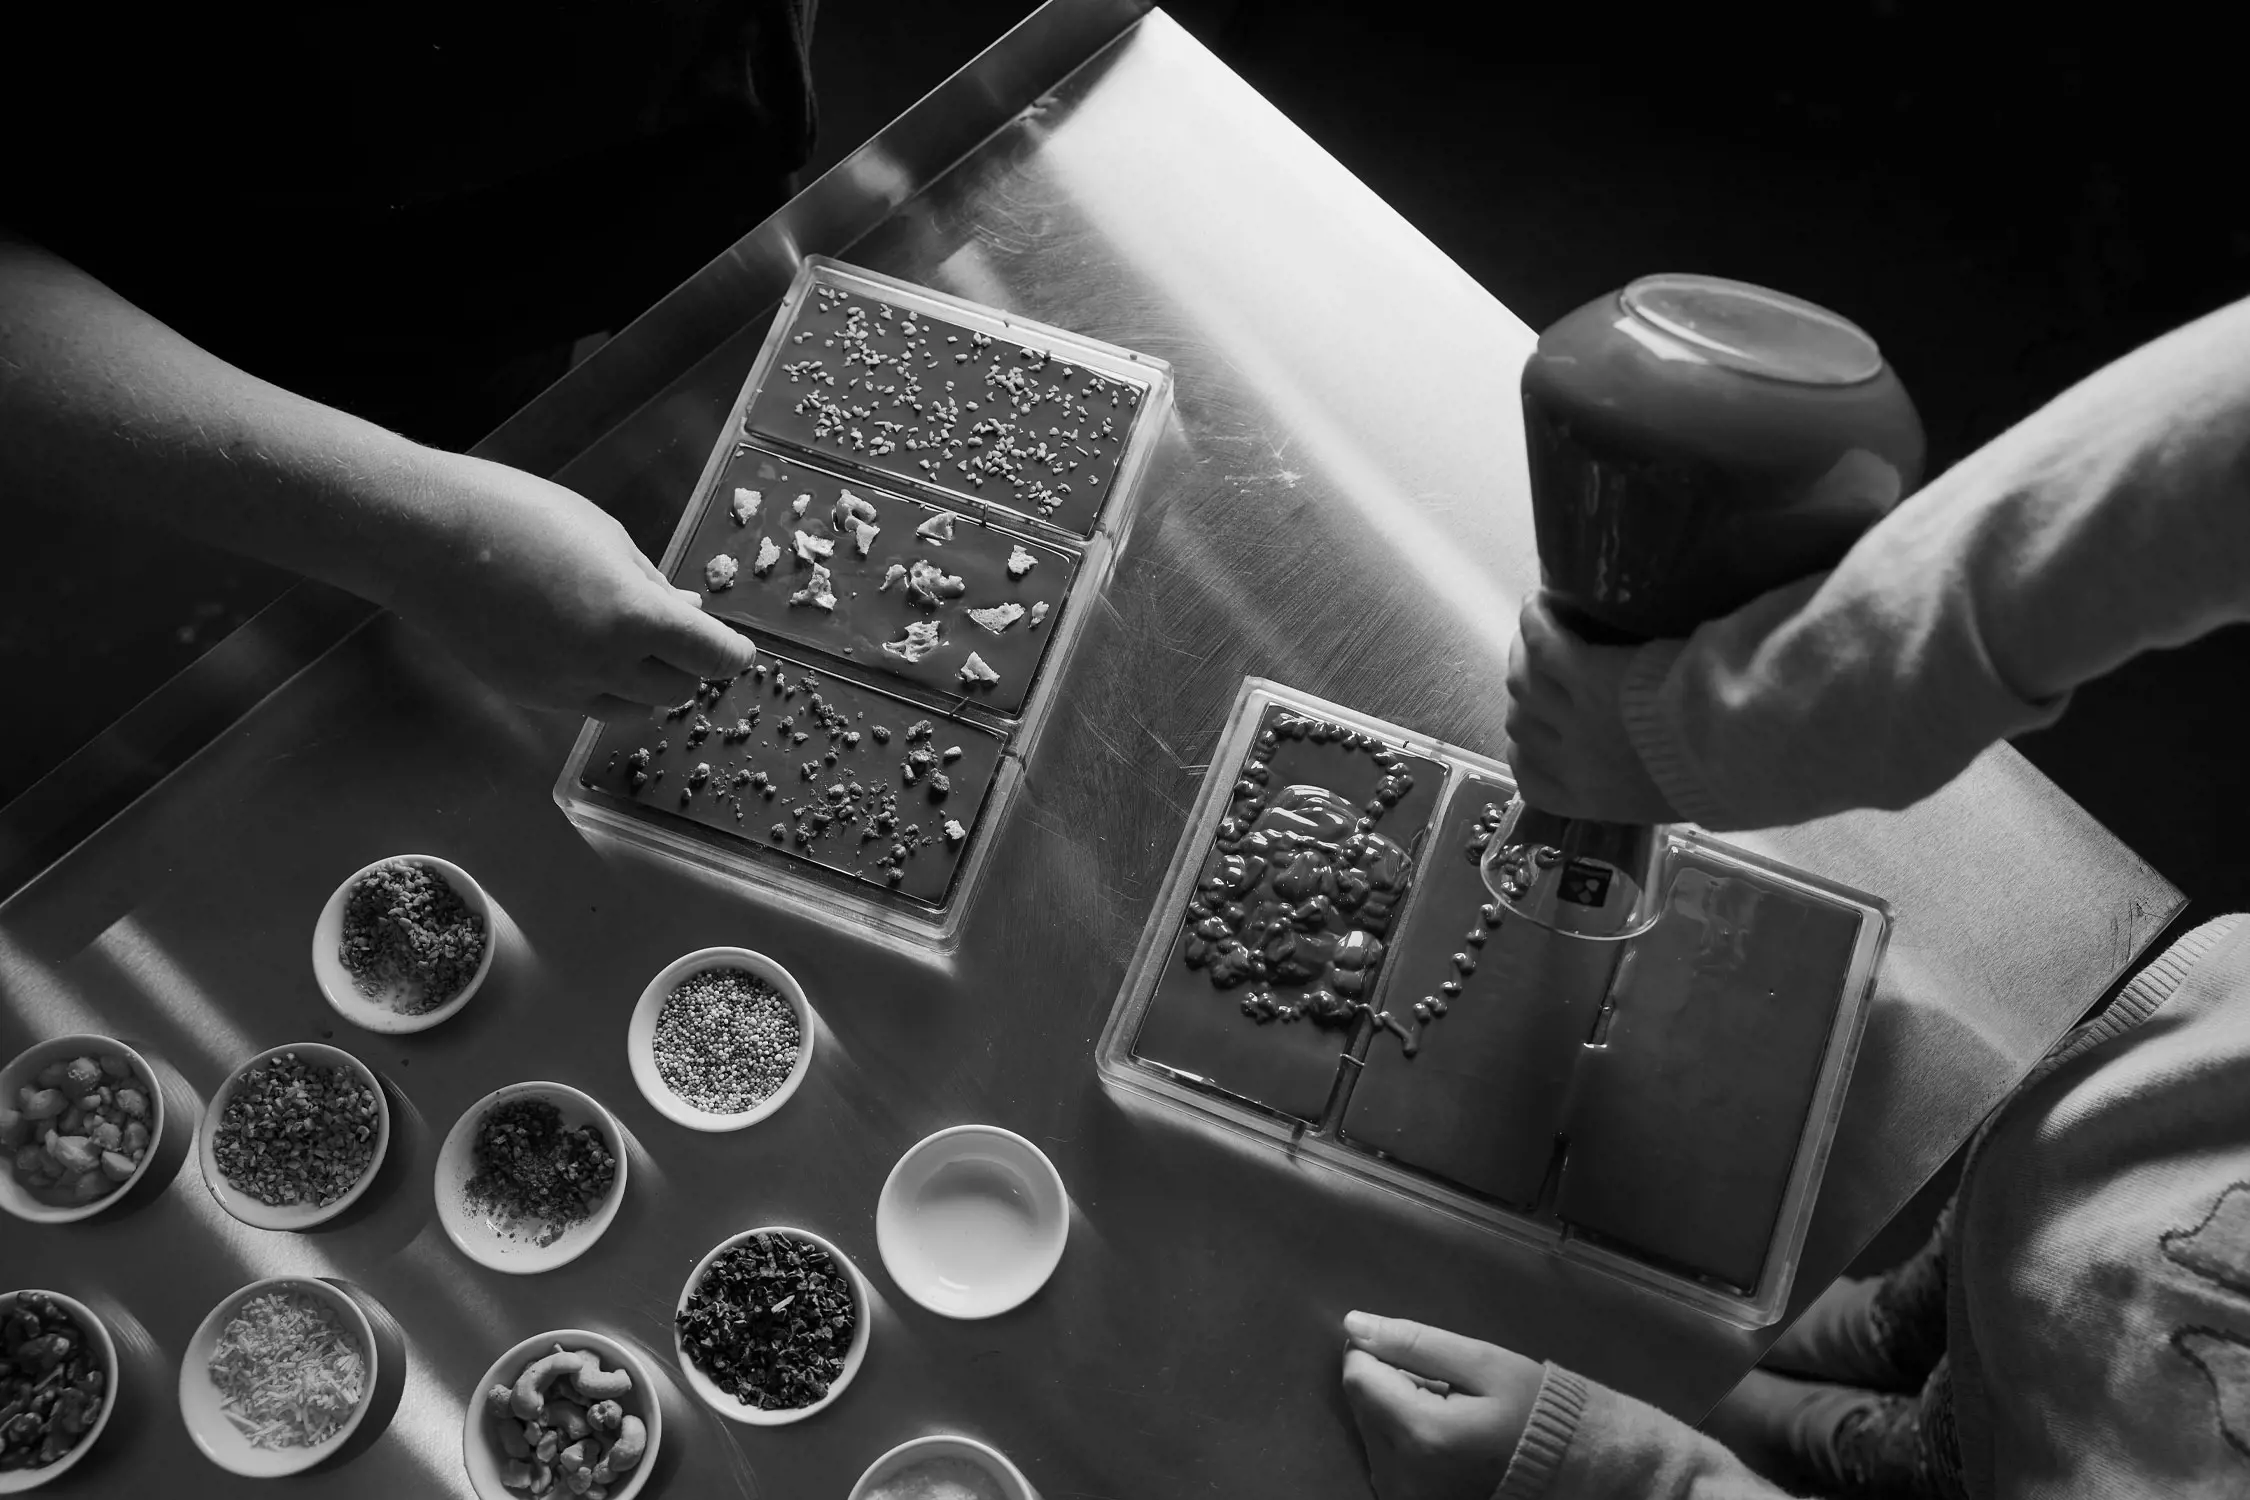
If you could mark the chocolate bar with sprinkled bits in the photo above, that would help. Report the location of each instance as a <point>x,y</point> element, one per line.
<point>1280,951</point>
<point>811,768</point>
<point>964,411</point>
<point>901,588</point>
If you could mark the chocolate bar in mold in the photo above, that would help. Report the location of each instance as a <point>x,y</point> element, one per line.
<point>903,393</point>
<point>912,590</point>
<point>1686,1119</point>
<point>811,768</point>
<point>1493,1013</point>
<point>1282,945</point>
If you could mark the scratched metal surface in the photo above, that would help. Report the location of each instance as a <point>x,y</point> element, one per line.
<point>1339,505</point>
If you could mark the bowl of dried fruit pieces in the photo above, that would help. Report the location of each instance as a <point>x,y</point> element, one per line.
<point>404,943</point>
<point>294,1136</point>
<point>80,1118</point>
<point>772,1326</point>
<point>560,1405</point>
<point>58,1383</point>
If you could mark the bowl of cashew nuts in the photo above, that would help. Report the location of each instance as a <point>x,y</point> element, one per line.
<point>564,1414</point>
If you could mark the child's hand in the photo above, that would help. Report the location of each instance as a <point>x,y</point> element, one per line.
<point>1422,1445</point>
<point>1566,726</point>
<point>543,595</point>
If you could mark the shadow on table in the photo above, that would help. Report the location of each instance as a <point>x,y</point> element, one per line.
<point>145,1381</point>
<point>390,1377</point>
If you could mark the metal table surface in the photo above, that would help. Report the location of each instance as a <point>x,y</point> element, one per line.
<point>1339,504</point>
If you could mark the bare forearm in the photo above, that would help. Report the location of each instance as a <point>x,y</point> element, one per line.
<point>104,408</point>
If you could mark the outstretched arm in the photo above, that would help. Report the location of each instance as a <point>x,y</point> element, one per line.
<point>540,592</point>
<point>2114,520</point>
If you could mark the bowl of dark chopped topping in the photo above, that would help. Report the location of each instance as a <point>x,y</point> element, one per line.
<point>80,1118</point>
<point>294,1135</point>
<point>944,1466</point>
<point>562,1404</point>
<point>720,1039</point>
<point>278,1376</point>
<point>58,1383</point>
<point>404,943</point>
<point>772,1326</point>
<point>530,1177</point>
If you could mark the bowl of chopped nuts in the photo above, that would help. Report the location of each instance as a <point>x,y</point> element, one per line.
<point>80,1118</point>
<point>55,1342</point>
<point>720,1039</point>
<point>404,944</point>
<point>530,1176</point>
<point>565,1402</point>
<point>294,1136</point>
<point>771,1326</point>
<point>278,1376</point>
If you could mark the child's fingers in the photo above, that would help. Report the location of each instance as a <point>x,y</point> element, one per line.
<point>1385,1401</point>
<point>690,640</point>
<point>1463,1363</point>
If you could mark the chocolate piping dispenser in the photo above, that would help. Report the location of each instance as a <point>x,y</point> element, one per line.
<point>1693,443</point>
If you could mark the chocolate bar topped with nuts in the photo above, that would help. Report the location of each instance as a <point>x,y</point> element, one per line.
<point>903,393</point>
<point>898,587</point>
<point>811,768</point>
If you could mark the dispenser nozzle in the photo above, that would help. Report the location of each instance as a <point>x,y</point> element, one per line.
<point>1603,882</point>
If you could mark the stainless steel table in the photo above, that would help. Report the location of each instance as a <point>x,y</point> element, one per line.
<point>1339,505</point>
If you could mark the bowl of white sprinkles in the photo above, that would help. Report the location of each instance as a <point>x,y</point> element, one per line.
<point>720,1039</point>
<point>278,1376</point>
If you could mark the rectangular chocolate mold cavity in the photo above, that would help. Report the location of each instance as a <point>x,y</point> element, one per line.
<point>1479,1099</point>
<point>806,768</point>
<point>1281,948</point>
<point>1685,1123</point>
<point>765,501</point>
<point>897,389</point>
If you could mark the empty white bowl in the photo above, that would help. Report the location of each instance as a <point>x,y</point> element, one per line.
<point>480,1448</point>
<point>1008,1482</point>
<point>854,1356</point>
<point>640,1037</point>
<point>972,1221</point>
<point>250,1210</point>
<point>17,1481</point>
<point>515,1249</point>
<point>20,1200</point>
<point>207,1421</point>
<point>372,1011</point>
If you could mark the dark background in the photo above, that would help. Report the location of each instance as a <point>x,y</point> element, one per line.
<point>2004,206</point>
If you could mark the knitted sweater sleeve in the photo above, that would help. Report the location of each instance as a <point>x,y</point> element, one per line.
<point>1587,1442</point>
<point>2114,520</point>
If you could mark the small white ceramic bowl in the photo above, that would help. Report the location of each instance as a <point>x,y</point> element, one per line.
<point>855,1356</point>
<point>640,1037</point>
<point>288,1215</point>
<point>972,1221</point>
<point>207,1421</point>
<point>1007,1480</point>
<point>480,1449</point>
<point>490,1243</point>
<point>373,1012</point>
<point>18,1199</point>
<point>17,1481</point>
